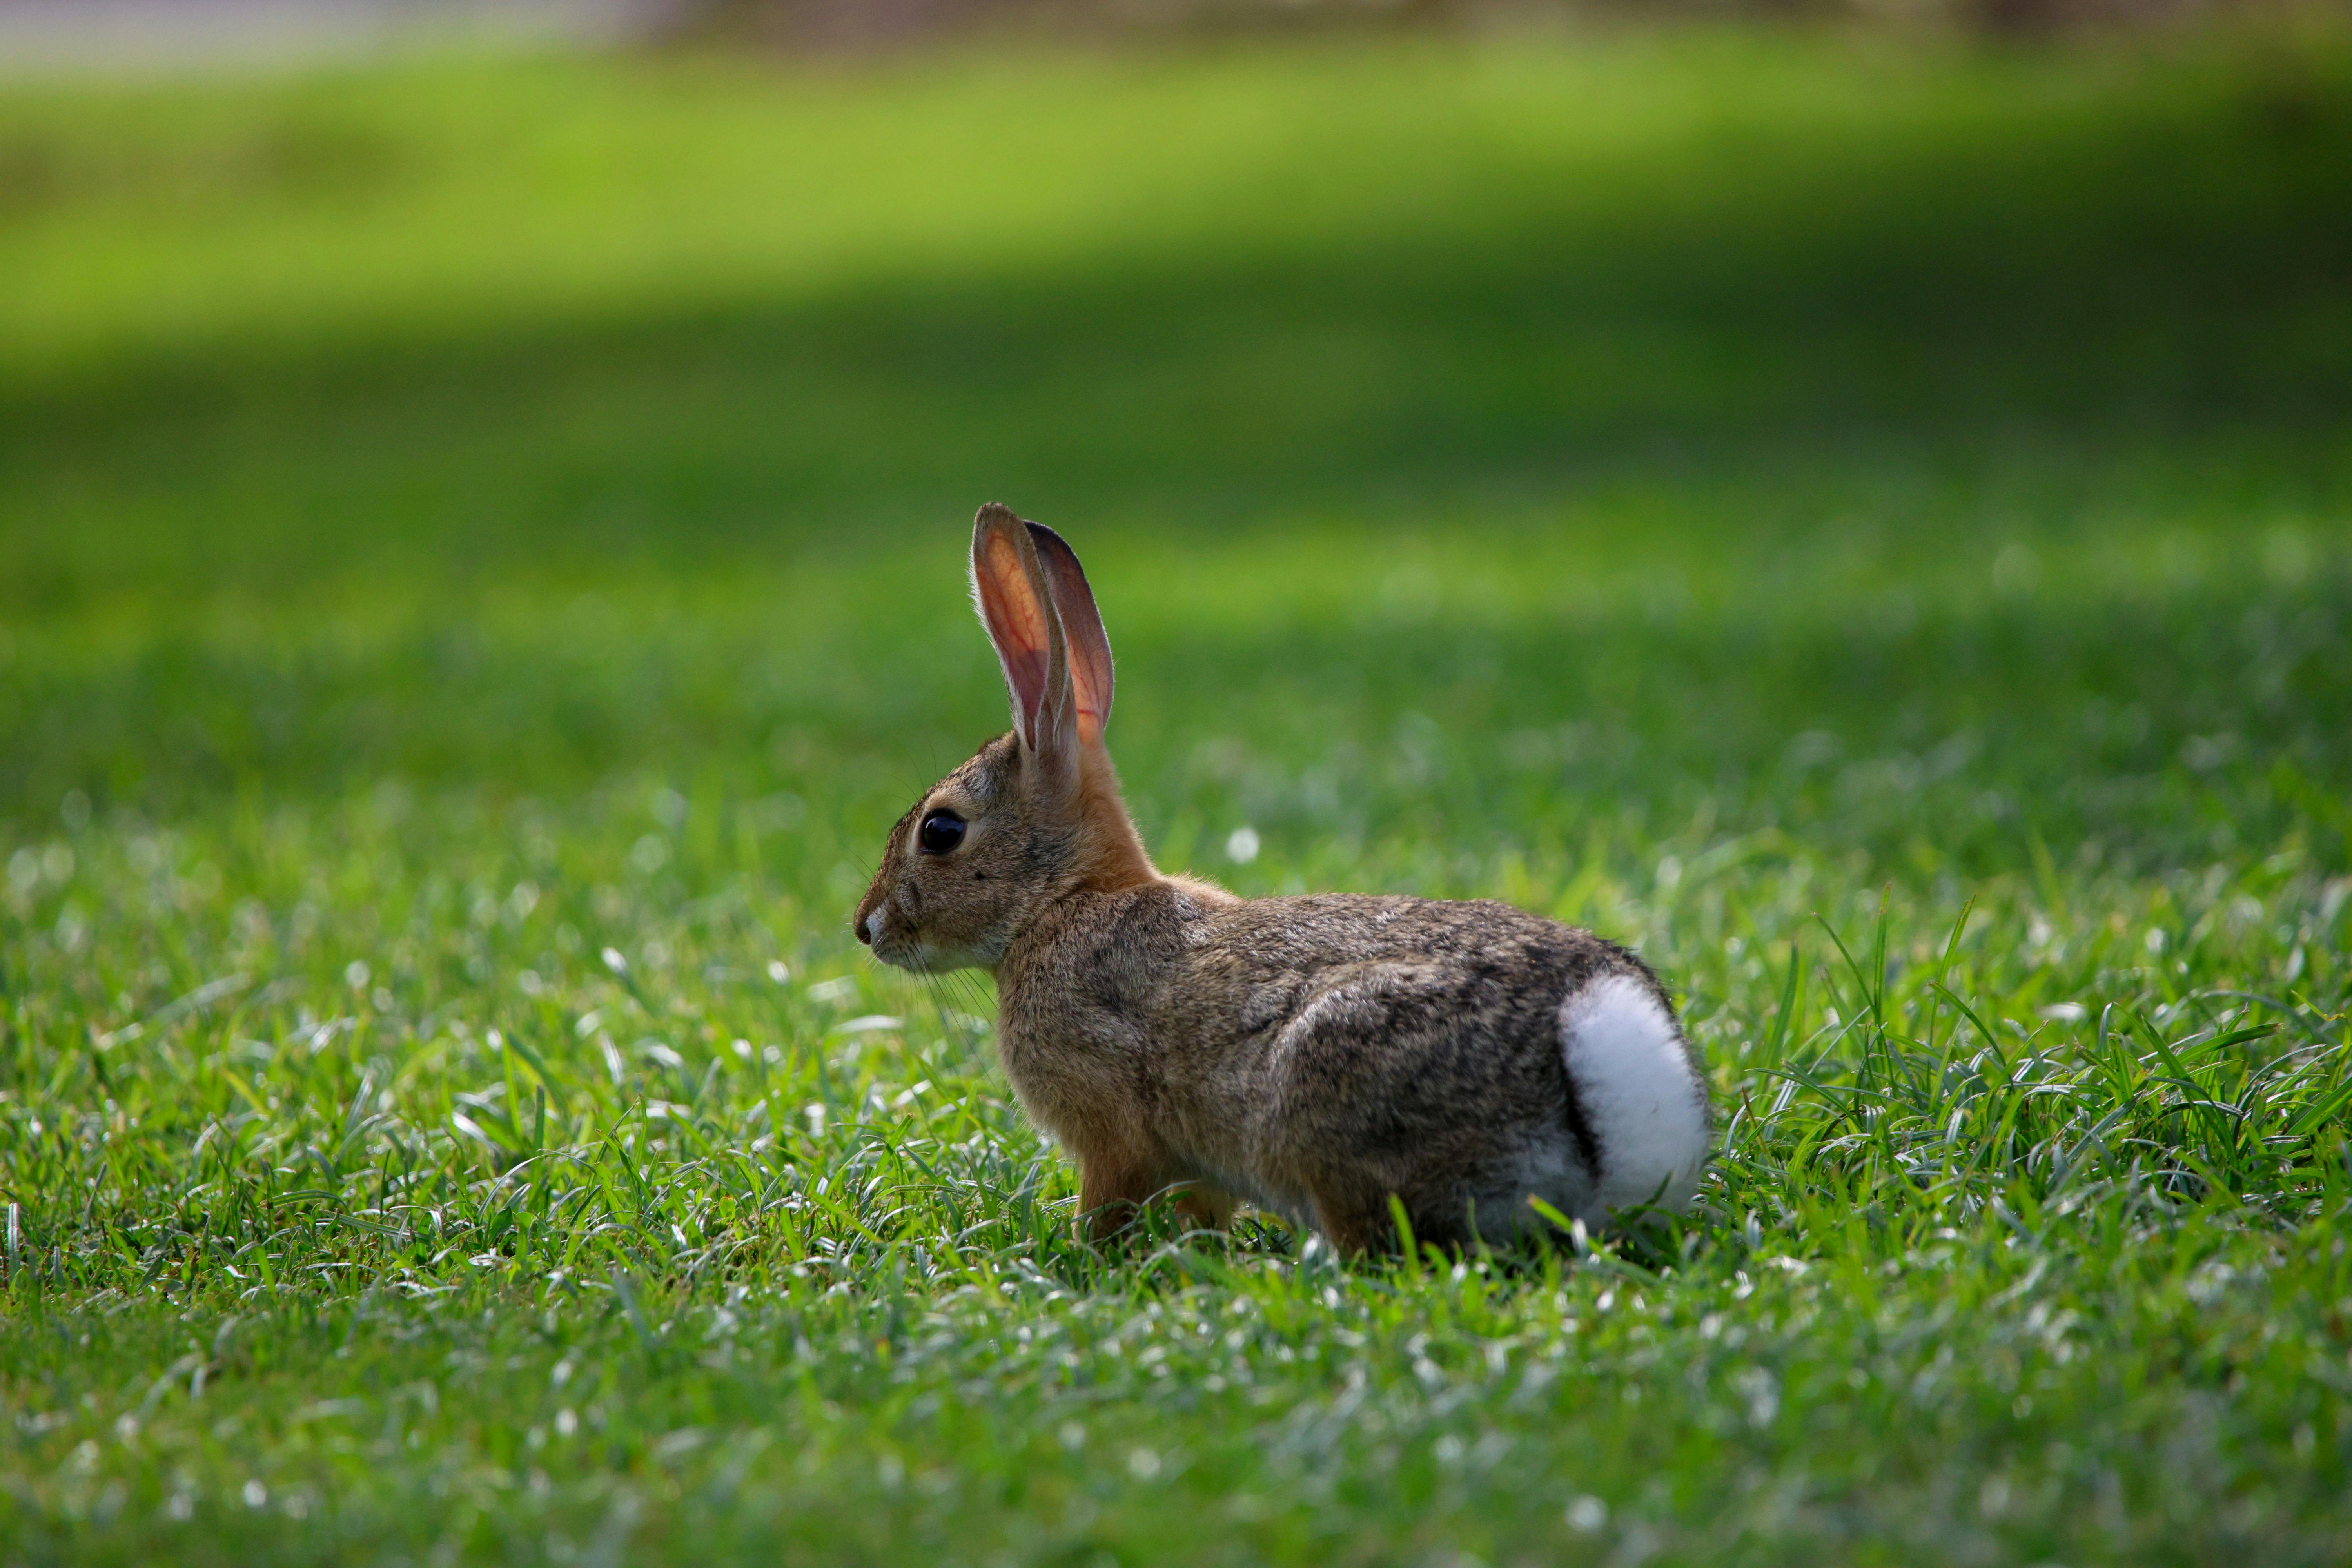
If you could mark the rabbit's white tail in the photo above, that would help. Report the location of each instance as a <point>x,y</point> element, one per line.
<point>1642,1100</point>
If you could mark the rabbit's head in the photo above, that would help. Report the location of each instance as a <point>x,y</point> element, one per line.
<point>1036,814</point>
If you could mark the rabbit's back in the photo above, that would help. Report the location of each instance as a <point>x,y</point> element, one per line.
<point>1334,1048</point>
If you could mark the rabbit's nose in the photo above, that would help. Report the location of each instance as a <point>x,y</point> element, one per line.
<point>864,925</point>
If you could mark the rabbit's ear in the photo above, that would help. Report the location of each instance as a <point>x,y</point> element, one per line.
<point>1082,631</point>
<point>1008,583</point>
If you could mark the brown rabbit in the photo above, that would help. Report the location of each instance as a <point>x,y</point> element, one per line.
<point>1312,1055</point>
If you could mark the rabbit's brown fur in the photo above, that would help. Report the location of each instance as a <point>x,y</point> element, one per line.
<point>1318,1054</point>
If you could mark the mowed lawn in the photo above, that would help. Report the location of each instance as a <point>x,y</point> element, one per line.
<point>1869,524</point>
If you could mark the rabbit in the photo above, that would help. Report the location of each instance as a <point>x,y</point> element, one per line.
<point>1317,1056</point>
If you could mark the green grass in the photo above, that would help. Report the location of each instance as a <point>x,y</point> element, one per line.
<point>479,567</point>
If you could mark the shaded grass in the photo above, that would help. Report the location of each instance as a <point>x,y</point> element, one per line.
<point>1869,530</point>
<point>733,315</point>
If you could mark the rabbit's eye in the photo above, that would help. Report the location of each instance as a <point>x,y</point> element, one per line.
<point>941,831</point>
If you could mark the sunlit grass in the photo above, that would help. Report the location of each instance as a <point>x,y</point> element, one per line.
<point>1846,525</point>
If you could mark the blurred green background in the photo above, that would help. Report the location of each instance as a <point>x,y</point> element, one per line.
<point>1665,417</point>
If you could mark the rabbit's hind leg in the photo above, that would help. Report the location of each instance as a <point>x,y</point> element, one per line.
<point>1354,1220</point>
